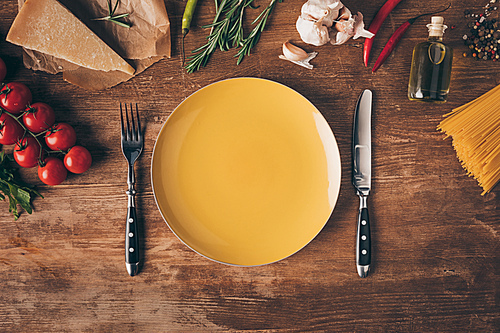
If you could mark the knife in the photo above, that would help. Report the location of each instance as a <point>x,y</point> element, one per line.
<point>361,177</point>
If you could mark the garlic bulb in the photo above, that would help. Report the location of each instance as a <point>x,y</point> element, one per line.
<point>297,55</point>
<point>316,23</point>
<point>312,32</point>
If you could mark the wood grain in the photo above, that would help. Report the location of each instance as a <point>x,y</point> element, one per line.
<point>435,238</point>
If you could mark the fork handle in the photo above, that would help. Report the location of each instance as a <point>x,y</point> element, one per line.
<point>132,257</point>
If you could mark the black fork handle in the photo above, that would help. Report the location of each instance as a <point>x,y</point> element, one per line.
<point>132,250</point>
<point>132,253</point>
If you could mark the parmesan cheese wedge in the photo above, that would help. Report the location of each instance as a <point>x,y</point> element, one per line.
<point>49,27</point>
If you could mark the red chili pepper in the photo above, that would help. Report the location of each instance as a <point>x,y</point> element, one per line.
<point>396,37</point>
<point>391,44</point>
<point>375,26</point>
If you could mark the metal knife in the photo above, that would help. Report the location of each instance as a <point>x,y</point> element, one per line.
<point>361,177</point>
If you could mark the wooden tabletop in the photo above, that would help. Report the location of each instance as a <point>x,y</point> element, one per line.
<point>435,238</point>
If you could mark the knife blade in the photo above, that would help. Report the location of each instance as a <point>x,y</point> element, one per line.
<point>361,178</point>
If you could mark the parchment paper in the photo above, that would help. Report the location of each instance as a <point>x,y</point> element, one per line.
<point>146,42</point>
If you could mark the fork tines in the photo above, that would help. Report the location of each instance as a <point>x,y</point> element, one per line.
<point>131,132</point>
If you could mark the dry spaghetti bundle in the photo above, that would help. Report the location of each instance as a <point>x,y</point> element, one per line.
<point>475,131</point>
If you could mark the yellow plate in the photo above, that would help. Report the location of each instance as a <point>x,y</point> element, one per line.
<point>246,171</point>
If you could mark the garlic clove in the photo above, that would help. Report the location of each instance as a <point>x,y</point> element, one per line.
<point>344,14</point>
<point>296,55</point>
<point>292,52</point>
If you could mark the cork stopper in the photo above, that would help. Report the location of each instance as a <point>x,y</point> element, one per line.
<point>436,27</point>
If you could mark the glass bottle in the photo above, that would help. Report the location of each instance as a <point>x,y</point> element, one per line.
<point>431,66</point>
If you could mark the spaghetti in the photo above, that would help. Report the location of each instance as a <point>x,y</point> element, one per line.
<point>475,131</point>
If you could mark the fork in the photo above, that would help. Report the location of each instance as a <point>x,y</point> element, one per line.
<point>132,145</point>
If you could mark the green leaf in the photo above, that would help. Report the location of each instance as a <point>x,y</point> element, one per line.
<point>120,16</point>
<point>121,24</point>
<point>12,187</point>
<point>111,15</point>
<point>23,198</point>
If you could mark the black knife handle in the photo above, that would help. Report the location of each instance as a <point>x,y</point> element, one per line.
<point>364,246</point>
<point>363,241</point>
<point>132,238</point>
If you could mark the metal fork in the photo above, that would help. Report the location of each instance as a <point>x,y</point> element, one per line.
<point>132,145</point>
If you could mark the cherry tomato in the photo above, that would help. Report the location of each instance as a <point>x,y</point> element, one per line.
<point>39,117</point>
<point>27,152</point>
<point>10,130</point>
<point>52,171</point>
<point>60,137</point>
<point>14,97</point>
<point>3,70</point>
<point>78,159</point>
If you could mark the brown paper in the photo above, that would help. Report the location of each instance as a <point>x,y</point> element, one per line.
<point>144,43</point>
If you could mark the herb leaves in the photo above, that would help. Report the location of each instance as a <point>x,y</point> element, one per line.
<point>114,18</point>
<point>13,188</point>
<point>227,32</point>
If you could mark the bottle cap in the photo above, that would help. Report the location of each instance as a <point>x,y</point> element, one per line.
<point>436,27</point>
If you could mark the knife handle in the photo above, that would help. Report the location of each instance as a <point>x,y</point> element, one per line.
<point>363,243</point>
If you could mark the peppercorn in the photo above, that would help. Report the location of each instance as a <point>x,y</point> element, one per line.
<point>484,34</point>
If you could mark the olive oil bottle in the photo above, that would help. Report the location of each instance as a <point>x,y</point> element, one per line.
<point>431,66</point>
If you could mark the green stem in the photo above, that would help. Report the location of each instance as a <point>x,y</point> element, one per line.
<point>25,129</point>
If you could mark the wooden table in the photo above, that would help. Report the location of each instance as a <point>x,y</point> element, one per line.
<point>435,238</point>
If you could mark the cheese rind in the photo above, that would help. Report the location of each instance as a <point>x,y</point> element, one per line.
<point>49,27</point>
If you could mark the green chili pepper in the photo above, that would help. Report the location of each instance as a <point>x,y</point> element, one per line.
<point>186,22</point>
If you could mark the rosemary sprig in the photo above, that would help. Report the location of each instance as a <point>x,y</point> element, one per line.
<point>227,32</point>
<point>248,43</point>
<point>114,18</point>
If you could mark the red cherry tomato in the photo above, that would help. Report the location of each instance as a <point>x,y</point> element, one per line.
<point>3,70</point>
<point>14,97</point>
<point>78,159</point>
<point>27,152</point>
<point>39,117</point>
<point>52,171</point>
<point>10,130</point>
<point>60,137</point>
